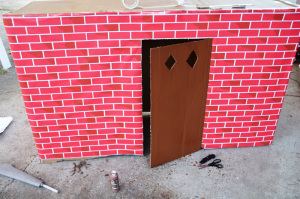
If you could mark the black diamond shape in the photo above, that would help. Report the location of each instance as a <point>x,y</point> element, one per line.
<point>192,59</point>
<point>170,62</point>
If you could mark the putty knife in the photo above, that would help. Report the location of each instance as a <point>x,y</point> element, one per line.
<point>11,172</point>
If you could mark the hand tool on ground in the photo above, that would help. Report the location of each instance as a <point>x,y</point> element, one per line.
<point>215,163</point>
<point>11,172</point>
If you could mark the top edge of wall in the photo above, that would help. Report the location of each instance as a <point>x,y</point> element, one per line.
<point>93,6</point>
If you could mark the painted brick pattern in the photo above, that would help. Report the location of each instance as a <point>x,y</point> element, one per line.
<point>80,75</point>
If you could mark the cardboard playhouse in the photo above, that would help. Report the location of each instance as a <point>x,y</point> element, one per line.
<point>213,75</point>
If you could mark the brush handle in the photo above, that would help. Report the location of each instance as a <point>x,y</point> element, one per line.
<point>50,188</point>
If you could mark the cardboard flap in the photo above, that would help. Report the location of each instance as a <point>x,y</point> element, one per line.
<point>90,6</point>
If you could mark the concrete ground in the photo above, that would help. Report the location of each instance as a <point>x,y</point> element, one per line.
<point>261,172</point>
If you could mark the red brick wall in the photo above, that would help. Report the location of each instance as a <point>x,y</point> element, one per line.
<point>80,75</point>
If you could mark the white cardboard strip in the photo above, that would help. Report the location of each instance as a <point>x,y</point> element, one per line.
<point>4,122</point>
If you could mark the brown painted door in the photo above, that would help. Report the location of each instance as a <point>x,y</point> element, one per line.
<point>179,81</point>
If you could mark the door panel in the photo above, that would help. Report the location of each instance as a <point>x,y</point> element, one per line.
<point>179,81</point>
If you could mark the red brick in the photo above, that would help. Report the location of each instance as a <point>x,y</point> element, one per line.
<point>108,27</point>
<point>190,26</point>
<point>91,88</point>
<point>211,17</point>
<point>281,24</point>
<point>238,139</point>
<point>286,47</point>
<point>252,17</point>
<point>218,41</point>
<point>72,155</point>
<point>219,102</point>
<point>142,18</point>
<point>132,113</point>
<point>244,62</point>
<point>64,45</point>
<point>260,25</point>
<point>41,46</point>
<point>30,91</point>
<point>217,69</point>
<point>266,47</point>
<point>71,89</point>
<point>107,153</point>
<point>91,154</point>
<point>118,19</point>
<point>7,22</point>
<point>206,33</point>
<point>289,55</point>
<point>32,54</point>
<point>130,27</point>
<point>28,38</point>
<point>191,18</point>
<point>221,89</point>
<point>223,76</point>
<point>51,38</point>
<point>164,34</point>
<point>97,36</point>
<point>218,25</point>
<point>255,101</point>
<point>239,25</point>
<point>54,156</point>
<point>95,19</point>
<point>147,27</point>
<point>277,40</point>
<point>12,39</point>
<point>49,21</point>
<point>74,36</point>
<point>182,26</point>
<point>27,77</point>
<point>25,21</point>
<point>57,53</point>
<point>233,145</point>
<point>62,150</point>
<point>283,62</point>
<point>72,20</point>
<point>15,30</point>
<point>237,101</point>
<point>230,17</point>
<point>266,133</point>
<point>273,17</point>
<point>245,144</point>
<point>269,33</point>
<point>61,29</point>
<point>274,54</point>
<point>38,30</point>
<point>244,129</point>
<point>89,59</point>
<point>228,33</point>
<point>257,40</point>
<point>286,68</point>
<point>249,32</point>
<point>237,40</point>
<point>164,18</point>
<point>246,47</point>
<point>246,107</point>
<point>226,48</point>
<point>119,35</point>
<point>141,35</point>
<point>292,16</point>
<point>212,146</point>
<point>85,28</point>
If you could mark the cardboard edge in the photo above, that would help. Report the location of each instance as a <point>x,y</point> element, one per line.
<point>69,6</point>
<point>49,161</point>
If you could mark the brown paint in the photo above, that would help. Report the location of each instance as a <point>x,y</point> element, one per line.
<point>178,100</point>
